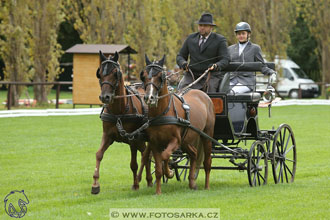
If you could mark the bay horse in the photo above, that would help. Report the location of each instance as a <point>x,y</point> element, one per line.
<point>123,111</point>
<point>164,136</point>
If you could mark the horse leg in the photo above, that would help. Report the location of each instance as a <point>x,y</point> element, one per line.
<point>148,168</point>
<point>145,161</point>
<point>134,167</point>
<point>158,170</point>
<point>105,143</point>
<point>192,152</point>
<point>171,147</point>
<point>207,146</point>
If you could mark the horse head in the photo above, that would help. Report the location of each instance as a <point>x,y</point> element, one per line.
<point>110,76</point>
<point>154,79</point>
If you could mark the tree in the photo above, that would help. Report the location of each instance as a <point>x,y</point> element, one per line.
<point>302,49</point>
<point>13,44</point>
<point>45,18</point>
<point>67,37</point>
<point>270,22</point>
<point>316,14</point>
<point>96,20</point>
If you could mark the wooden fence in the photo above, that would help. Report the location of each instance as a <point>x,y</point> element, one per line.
<point>11,84</point>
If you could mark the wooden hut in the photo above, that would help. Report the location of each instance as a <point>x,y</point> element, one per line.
<point>86,88</point>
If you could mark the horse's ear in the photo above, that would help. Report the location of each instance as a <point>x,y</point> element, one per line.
<point>98,73</point>
<point>162,61</point>
<point>102,57</point>
<point>148,62</point>
<point>115,57</point>
<point>142,78</point>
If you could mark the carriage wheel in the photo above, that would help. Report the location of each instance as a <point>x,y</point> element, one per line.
<point>257,168</point>
<point>178,158</point>
<point>284,155</point>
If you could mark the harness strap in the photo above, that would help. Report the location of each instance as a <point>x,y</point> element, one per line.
<point>171,120</point>
<point>186,108</point>
<point>109,117</point>
<point>168,107</point>
<point>134,92</point>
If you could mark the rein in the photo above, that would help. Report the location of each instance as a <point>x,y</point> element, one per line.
<point>204,61</point>
<point>182,91</point>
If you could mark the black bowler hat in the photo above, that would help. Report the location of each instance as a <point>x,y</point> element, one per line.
<point>206,18</point>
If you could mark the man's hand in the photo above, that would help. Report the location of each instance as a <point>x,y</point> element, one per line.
<point>213,67</point>
<point>184,66</point>
<point>272,78</point>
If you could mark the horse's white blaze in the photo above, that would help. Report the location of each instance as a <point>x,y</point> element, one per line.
<point>150,93</point>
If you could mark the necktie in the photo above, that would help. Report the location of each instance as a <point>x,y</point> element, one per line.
<point>201,46</point>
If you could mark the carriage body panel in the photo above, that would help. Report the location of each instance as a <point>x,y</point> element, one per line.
<point>238,118</point>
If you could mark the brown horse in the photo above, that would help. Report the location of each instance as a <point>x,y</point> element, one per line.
<point>165,138</point>
<point>124,110</point>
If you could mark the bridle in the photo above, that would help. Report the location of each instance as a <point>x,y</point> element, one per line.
<point>114,86</point>
<point>150,70</point>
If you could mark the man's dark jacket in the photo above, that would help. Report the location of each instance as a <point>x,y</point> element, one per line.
<point>214,51</point>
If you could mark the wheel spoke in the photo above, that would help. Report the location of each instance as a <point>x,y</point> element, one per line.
<point>282,140</point>
<point>286,175</point>
<point>286,166</point>
<point>277,164</point>
<point>258,174</point>
<point>258,157</point>
<point>293,161</point>
<point>280,173</point>
<point>262,177</point>
<point>288,150</point>
<point>287,142</point>
<point>278,144</point>
<point>254,178</point>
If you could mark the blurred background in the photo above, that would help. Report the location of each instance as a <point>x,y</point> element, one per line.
<point>34,34</point>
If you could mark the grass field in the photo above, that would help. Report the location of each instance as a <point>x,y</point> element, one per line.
<point>53,159</point>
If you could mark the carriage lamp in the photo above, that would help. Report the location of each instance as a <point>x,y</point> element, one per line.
<point>269,94</point>
<point>218,105</point>
<point>253,112</point>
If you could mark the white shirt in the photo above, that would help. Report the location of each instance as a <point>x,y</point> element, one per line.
<point>241,47</point>
<point>201,39</point>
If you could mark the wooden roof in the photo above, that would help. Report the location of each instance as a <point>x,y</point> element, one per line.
<point>105,48</point>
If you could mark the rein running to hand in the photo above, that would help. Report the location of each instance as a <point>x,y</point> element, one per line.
<point>168,76</point>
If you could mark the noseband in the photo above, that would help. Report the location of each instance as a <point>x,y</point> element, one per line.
<point>152,72</point>
<point>113,86</point>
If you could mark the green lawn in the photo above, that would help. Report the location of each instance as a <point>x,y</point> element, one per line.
<point>53,159</point>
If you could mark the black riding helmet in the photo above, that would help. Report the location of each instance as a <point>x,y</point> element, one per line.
<point>243,26</point>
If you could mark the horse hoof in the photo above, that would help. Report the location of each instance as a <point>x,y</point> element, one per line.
<point>135,187</point>
<point>171,174</point>
<point>95,190</point>
<point>193,187</point>
<point>150,184</point>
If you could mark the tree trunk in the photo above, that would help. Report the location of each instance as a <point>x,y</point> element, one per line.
<point>14,96</point>
<point>40,91</point>
<point>325,66</point>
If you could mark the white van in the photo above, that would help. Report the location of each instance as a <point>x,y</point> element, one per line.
<point>290,75</point>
